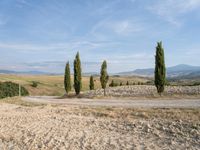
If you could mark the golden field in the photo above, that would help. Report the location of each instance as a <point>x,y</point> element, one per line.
<point>52,85</point>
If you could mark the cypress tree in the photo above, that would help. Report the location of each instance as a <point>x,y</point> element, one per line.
<point>104,76</point>
<point>91,83</point>
<point>160,71</point>
<point>77,74</point>
<point>67,78</point>
<point>127,83</point>
<point>112,84</point>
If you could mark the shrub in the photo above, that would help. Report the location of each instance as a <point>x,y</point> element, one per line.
<point>34,84</point>
<point>10,89</point>
<point>196,83</point>
<point>113,84</point>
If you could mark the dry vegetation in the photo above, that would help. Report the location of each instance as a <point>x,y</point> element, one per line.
<point>37,126</point>
<point>52,85</point>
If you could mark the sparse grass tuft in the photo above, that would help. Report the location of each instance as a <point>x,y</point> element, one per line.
<point>19,101</point>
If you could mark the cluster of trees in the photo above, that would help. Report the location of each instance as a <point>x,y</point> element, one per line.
<point>115,83</point>
<point>78,76</point>
<point>159,78</point>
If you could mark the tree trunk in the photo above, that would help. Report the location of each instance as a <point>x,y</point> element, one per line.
<point>104,92</point>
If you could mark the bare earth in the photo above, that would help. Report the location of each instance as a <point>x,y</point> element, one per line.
<point>126,103</point>
<point>77,125</point>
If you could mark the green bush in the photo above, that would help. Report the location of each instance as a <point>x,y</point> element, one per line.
<point>10,89</point>
<point>34,84</point>
<point>113,84</point>
<point>196,83</point>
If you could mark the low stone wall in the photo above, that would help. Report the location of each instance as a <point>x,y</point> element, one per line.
<point>144,90</point>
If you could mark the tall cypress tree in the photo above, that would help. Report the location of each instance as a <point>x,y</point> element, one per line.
<point>91,83</point>
<point>104,76</point>
<point>77,74</point>
<point>67,78</point>
<point>160,70</point>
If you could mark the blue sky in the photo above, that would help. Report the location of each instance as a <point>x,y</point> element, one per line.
<point>44,34</point>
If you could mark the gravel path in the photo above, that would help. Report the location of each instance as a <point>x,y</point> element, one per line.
<point>128,103</point>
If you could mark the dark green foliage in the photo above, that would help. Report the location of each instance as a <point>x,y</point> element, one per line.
<point>10,89</point>
<point>160,70</point>
<point>196,84</point>
<point>113,84</point>
<point>67,78</point>
<point>121,84</point>
<point>149,83</point>
<point>127,83</point>
<point>91,83</point>
<point>104,76</point>
<point>77,74</point>
<point>34,84</point>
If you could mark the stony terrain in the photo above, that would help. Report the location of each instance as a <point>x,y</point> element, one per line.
<point>57,127</point>
<point>144,90</point>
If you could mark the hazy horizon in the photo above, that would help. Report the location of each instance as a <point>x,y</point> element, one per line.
<point>43,35</point>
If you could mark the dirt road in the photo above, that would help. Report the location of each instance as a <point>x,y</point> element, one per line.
<point>127,103</point>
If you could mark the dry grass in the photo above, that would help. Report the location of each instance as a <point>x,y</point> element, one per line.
<point>18,101</point>
<point>187,114</point>
<point>53,85</point>
<point>145,113</point>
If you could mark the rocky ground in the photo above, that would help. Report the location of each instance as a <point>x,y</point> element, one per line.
<point>73,127</point>
<point>144,90</point>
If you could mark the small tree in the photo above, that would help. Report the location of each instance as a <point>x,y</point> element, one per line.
<point>121,83</point>
<point>104,76</point>
<point>77,74</point>
<point>67,78</point>
<point>112,84</point>
<point>127,83</point>
<point>160,71</point>
<point>91,83</point>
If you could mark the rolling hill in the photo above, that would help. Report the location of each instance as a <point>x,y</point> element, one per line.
<point>181,70</point>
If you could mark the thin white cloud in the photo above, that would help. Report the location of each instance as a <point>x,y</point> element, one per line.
<point>171,10</point>
<point>79,44</point>
<point>120,27</point>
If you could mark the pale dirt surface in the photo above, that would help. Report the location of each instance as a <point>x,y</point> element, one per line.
<point>125,103</point>
<point>73,127</point>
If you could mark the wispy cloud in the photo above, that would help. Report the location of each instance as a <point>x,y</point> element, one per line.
<point>119,27</point>
<point>76,44</point>
<point>171,10</point>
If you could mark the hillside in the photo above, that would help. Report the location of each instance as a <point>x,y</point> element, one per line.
<point>182,70</point>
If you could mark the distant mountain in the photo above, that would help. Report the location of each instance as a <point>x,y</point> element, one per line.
<point>181,70</point>
<point>21,72</point>
<point>7,72</point>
